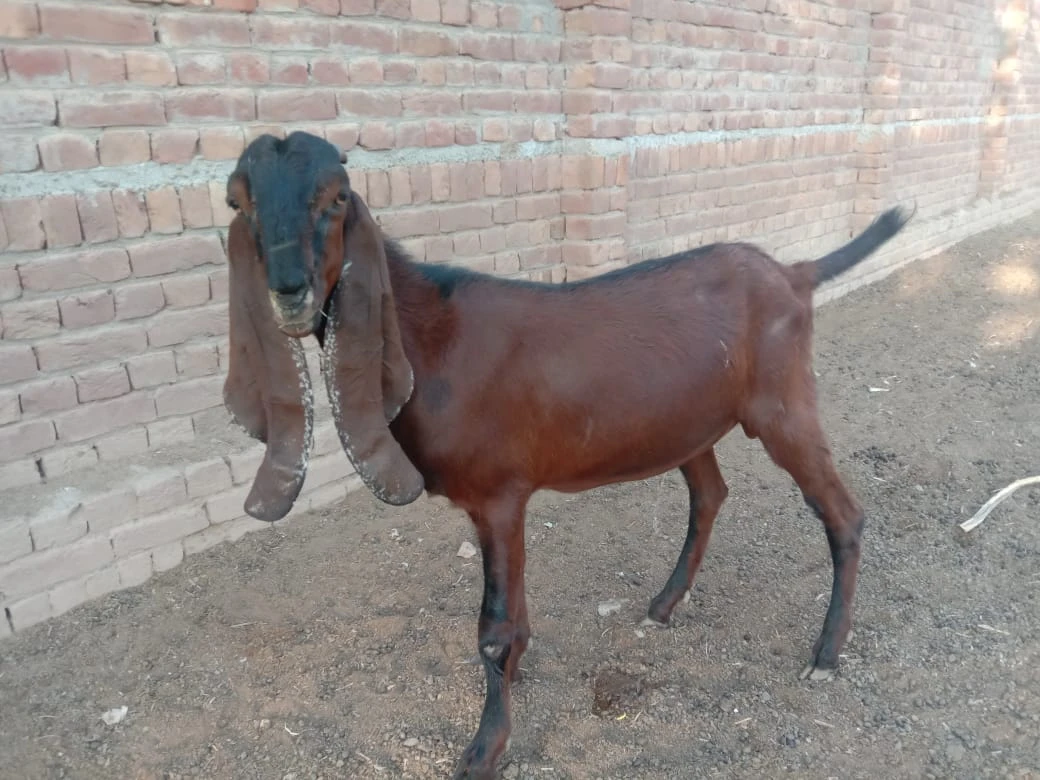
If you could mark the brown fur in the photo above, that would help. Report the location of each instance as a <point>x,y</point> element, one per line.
<point>520,387</point>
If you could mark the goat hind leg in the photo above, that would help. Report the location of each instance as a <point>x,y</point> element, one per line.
<point>797,444</point>
<point>707,493</point>
<point>502,633</point>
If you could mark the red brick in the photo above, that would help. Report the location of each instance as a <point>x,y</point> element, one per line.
<point>187,290</point>
<point>40,65</point>
<point>18,153</point>
<point>61,221</point>
<point>235,5</point>
<point>98,384</point>
<point>496,130</point>
<point>428,43</point>
<point>131,213</point>
<point>439,133</point>
<point>165,256</point>
<point>466,134</point>
<point>410,134</point>
<point>135,570</point>
<point>17,363</point>
<point>153,369</point>
<point>177,327</point>
<point>63,460</point>
<point>97,217</point>
<point>123,444</point>
<point>10,284</point>
<point>208,477</point>
<point>158,529</point>
<point>221,143</point>
<point>289,69</point>
<point>170,432</point>
<point>86,309</point>
<point>80,269</point>
<point>19,474</point>
<point>427,103</point>
<point>455,12</point>
<point>195,68</point>
<point>67,151</point>
<point>218,204</point>
<point>27,108</point>
<point>138,300</point>
<point>25,438</point>
<point>103,511</point>
<point>164,210</point>
<point>31,319</point>
<point>124,147</point>
<point>344,136</point>
<point>101,25</point>
<point>19,20</point>
<point>10,407</point>
<point>485,46</point>
<point>395,9</point>
<point>218,285</point>
<point>368,103</point>
<point>186,105</point>
<point>15,540</point>
<point>102,417</point>
<point>177,145</point>
<point>35,572</point>
<point>152,68</point>
<point>105,109</point>
<point>327,7</point>
<point>398,72</point>
<point>249,68</point>
<point>203,29</point>
<point>330,70</point>
<point>75,351</point>
<point>293,105</point>
<point>466,181</point>
<point>366,71</point>
<point>426,10</point>
<point>279,32</point>
<point>376,135</point>
<point>48,395</point>
<point>196,360</point>
<point>378,189</point>
<point>195,208</point>
<point>189,395</point>
<point>97,66</point>
<point>470,216</point>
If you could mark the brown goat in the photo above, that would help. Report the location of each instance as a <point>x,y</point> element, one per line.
<point>485,390</point>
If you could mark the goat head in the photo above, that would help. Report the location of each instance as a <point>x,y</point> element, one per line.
<point>306,258</point>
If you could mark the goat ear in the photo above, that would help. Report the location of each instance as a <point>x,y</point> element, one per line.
<point>366,372</point>
<point>268,389</point>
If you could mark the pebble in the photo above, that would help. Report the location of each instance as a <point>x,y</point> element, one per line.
<point>410,742</point>
<point>610,607</point>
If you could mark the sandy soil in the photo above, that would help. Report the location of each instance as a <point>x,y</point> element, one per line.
<point>336,647</point>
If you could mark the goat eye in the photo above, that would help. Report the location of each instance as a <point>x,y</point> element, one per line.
<point>232,204</point>
<point>341,198</point>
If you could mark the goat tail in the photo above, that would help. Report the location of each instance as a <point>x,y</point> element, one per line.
<point>861,247</point>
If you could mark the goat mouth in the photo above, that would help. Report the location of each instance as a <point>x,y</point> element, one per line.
<point>297,317</point>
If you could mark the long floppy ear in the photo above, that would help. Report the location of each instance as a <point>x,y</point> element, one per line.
<point>268,389</point>
<point>366,372</point>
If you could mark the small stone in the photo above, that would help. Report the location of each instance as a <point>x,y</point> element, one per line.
<point>466,550</point>
<point>410,742</point>
<point>610,607</point>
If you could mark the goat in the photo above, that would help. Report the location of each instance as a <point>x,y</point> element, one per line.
<point>484,390</point>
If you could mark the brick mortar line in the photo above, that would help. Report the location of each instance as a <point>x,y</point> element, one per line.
<point>152,175</point>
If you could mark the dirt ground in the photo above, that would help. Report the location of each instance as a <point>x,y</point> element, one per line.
<point>336,647</point>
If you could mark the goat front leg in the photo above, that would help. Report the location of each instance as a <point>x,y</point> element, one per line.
<point>503,630</point>
<point>707,492</point>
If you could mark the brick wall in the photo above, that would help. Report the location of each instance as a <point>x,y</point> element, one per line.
<point>548,140</point>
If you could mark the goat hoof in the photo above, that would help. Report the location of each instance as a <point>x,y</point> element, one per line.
<point>649,621</point>
<point>816,673</point>
<point>474,765</point>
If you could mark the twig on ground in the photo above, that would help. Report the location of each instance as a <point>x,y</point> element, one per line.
<point>1000,497</point>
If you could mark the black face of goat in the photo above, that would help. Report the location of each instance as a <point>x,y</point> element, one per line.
<point>295,195</point>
